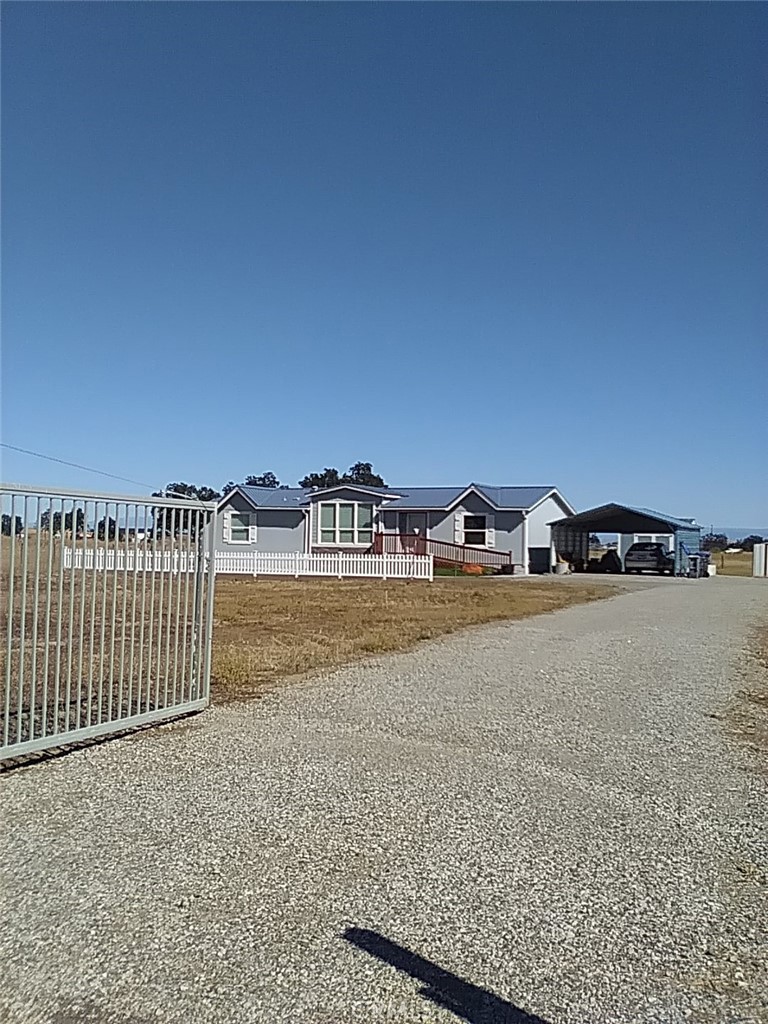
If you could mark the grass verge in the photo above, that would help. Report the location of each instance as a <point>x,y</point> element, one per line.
<point>271,628</point>
<point>737,564</point>
<point>748,715</point>
<point>734,984</point>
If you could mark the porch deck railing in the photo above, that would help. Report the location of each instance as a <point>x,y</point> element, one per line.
<point>442,551</point>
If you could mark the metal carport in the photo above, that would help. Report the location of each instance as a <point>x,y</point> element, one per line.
<point>570,536</point>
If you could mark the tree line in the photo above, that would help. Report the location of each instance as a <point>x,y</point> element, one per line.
<point>361,473</point>
<point>182,521</point>
<point>719,542</point>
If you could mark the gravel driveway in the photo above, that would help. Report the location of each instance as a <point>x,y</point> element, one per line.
<point>539,823</point>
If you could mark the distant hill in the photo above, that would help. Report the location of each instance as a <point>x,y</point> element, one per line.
<point>739,532</point>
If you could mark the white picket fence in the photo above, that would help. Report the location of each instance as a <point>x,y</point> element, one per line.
<point>131,561</point>
<point>259,563</point>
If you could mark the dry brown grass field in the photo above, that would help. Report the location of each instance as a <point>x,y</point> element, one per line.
<point>737,564</point>
<point>271,628</point>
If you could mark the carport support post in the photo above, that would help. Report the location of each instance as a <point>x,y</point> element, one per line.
<point>552,553</point>
<point>525,543</point>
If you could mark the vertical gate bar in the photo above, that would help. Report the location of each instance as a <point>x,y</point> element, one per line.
<point>169,599</point>
<point>163,532</point>
<point>22,616</point>
<point>81,630</point>
<point>134,605</point>
<point>199,644</point>
<point>71,625</point>
<point>185,675</point>
<point>197,600</point>
<point>35,625</point>
<point>59,615</point>
<point>92,616</point>
<point>48,617</point>
<point>9,637</point>
<point>102,633</point>
<point>143,619</point>
<point>4,639</point>
<point>123,612</point>
<point>182,569</point>
<point>151,624</point>
<point>113,623</point>
<point>134,590</point>
<point>211,574</point>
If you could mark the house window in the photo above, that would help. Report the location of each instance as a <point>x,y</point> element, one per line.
<point>346,523</point>
<point>474,530</point>
<point>242,528</point>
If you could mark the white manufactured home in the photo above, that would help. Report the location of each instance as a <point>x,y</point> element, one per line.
<point>511,521</point>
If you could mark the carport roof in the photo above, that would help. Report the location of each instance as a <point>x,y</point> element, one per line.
<point>615,518</point>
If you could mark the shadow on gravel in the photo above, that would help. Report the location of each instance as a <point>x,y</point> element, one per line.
<point>86,1012</point>
<point>469,1002</point>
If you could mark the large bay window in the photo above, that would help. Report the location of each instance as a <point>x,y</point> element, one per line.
<point>346,523</point>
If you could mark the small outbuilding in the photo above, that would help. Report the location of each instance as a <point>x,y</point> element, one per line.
<point>570,536</point>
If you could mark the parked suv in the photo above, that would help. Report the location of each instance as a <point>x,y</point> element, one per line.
<point>649,555</point>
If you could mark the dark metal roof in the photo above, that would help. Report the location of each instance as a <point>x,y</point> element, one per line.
<point>426,497</point>
<point>614,518</point>
<point>515,497</point>
<point>442,498</point>
<point>274,497</point>
<point>439,498</point>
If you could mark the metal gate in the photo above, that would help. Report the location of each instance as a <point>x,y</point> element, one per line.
<point>92,646</point>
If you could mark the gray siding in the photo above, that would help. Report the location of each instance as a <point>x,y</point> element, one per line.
<point>538,531</point>
<point>280,529</point>
<point>277,529</point>
<point>540,534</point>
<point>389,520</point>
<point>509,534</point>
<point>508,525</point>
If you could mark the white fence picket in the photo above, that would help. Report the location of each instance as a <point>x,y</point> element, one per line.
<point>260,563</point>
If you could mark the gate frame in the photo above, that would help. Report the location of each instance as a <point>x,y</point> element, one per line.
<point>205,544</point>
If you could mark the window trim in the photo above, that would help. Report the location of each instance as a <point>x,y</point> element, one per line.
<point>488,531</point>
<point>252,527</point>
<point>337,543</point>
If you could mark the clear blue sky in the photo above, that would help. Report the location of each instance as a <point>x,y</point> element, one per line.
<point>514,243</point>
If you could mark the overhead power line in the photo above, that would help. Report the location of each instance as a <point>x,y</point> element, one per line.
<point>99,472</point>
<point>74,465</point>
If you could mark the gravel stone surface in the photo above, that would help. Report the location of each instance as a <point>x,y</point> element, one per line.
<point>541,822</point>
